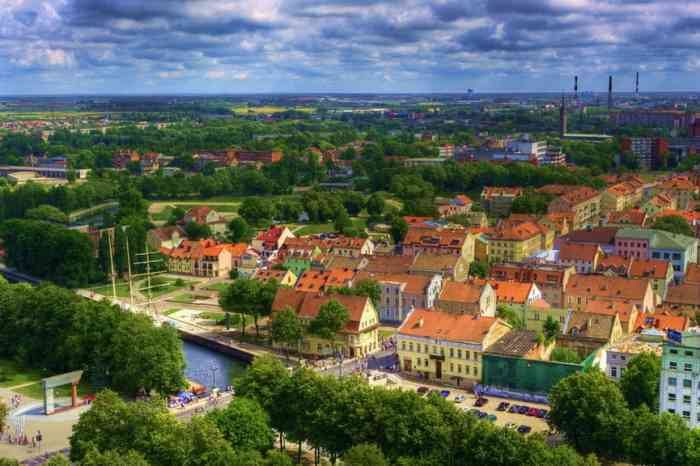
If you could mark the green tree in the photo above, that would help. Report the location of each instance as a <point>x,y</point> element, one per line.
<point>4,411</point>
<point>399,228</point>
<point>375,205</point>
<point>278,458</point>
<point>196,231</point>
<point>206,444</point>
<point>565,355</point>
<point>176,215</point>
<point>47,213</point>
<point>332,317</point>
<point>551,328</point>
<point>353,202</point>
<point>370,288</point>
<point>640,382</point>
<point>510,315</point>
<point>245,425</point>
<point>674,224</point>
<point>342,220</point>
<point>287,328</point>
<point>256,211</point>
<point>364,455</point>
<point>113,458</point>
<point>656,439</point>
<point>589,409</point>
<point>249,297</point>
<point>478,269</point>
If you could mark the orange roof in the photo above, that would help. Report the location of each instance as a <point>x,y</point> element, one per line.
<point>267,275</point>
<point>445,326</point>
<point>619,263</point>
<point>345,242</point>
<point>692,274</point>
<point>388,264</point>
<point>623,308</point>
<point>414,284</point>
<point>315,281</point>
<point>650,268</point>
<point>690,216</point>
<point>579,195</point>
<point>681,183</point>
<point>467,292</point>
<point>661,321</point>
<point>237,249</point>
<point>628,217</point>
<point>540,304</point>
<point>685,294</point>
<point>307,305</point>
<point>621,189</point>
<point>555,189</point>
<point>520,232</point>
<point>442,238</point>
<point>512,292</point>
<point>573,252</point>
<point>195,249</point>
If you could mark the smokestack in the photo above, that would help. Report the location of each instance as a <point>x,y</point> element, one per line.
<point>636,85</point>
<point>610,92</point>
<point>562,117</point>
<point>576,86</point>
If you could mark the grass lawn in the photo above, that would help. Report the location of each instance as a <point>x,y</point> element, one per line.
<point>36,390</point>
<point>12,374</point>
<point>219,208</point>
<point>184,298</point>
<point>170,311</point>
<point>106,290</point>
<point>314,229</point>
<point>220,287</point>
<point>264,109</point>
<point>165,289</point>
<point>163,215</point>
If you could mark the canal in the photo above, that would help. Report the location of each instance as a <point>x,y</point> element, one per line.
<point>208,367</point>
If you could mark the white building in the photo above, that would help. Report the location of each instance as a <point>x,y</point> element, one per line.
<point>680,377</point>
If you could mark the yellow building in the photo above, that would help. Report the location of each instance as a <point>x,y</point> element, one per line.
<point>446,348</point>
<point>514,243</point>
<point>583,204</point>
<point>359,337</point>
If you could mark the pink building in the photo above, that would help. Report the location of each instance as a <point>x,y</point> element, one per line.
<point>629,247</point>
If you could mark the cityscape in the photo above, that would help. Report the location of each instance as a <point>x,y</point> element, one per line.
<point>355,233</point>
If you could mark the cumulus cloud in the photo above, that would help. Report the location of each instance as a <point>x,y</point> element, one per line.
<point>346,45</point>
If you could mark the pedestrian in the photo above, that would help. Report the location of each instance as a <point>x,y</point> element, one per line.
<point>39,438</point>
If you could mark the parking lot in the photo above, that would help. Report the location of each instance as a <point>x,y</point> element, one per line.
<point>503,418</point>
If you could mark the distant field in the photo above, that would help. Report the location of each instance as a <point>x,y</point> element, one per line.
<point>5,116</point>
<point>265,109</point>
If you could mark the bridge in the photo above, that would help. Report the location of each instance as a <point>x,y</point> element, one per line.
<point>13,276</point>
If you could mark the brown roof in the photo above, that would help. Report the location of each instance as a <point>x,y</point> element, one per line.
<point>315,281</point>
<point>686,293</point>
<point>467,292</point>
<point>591,325</point>
<point>692,274</point>
<point>414,284</point>
<point>579,195</point>
<point>599,235</point>
<point>573,252</point>
<point>445,326</point>
<point>618,263</point>
<point>494,191</point>
<point>605,287</point>
<point>166,233</point>
<point>515,343</point>
<point>269,274</point>
<point>434,262</point>
<point>389,264</point>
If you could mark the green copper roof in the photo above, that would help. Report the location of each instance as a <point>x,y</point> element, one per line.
<point>658,239</point>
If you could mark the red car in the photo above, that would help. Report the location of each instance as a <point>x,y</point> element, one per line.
<point>532,412</point>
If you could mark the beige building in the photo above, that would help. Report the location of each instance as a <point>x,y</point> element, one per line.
<point>467,298</point>
<point>583,204</point>
<point>582,289</point>
<point>446,348</point>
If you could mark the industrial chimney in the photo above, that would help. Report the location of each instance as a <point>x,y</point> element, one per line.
<point>610,92</point>
<point>636,85</point>
<point>576,87</point>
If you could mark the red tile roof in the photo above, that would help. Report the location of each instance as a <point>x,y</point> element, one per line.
<point>574,252</point>
<point>445,326</point>
<point>314,281</point>
<point>467,292</point>
<point>414,284</point>
<point>602,286</point>
<point>661,321</point>
<point>519,232</point>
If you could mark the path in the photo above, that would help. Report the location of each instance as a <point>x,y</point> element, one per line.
<point>159,206</point>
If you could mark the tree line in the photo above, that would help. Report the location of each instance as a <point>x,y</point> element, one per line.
<point>55,329</point>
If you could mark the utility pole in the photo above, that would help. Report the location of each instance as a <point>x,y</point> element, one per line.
<point>128,264</point>
<point>111,265</point>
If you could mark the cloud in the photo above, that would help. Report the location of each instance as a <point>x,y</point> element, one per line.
<point>345,45</point>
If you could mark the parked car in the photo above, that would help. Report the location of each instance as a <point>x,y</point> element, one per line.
<point>511,426</point>
<point>523,429</point>
<point>445,393</point>
<point>481,401</point>
<point>514,409</point>
<point>541,413</point>
<point>532,412</point>
<point>491,418</point>
<point>460,398</point>
<point>422,390</point>
<point>522,409</point>
<point>482,414</point>
<point>502,406</point>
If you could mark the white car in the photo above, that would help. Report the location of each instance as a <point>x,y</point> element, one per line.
<point>460,398</point>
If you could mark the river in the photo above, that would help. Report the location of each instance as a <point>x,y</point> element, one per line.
<point>209,367</point>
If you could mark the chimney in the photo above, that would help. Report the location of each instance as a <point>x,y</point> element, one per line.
<point>420,322</point>
<point>610,92</point>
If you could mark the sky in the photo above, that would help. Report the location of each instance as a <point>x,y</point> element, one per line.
<point>300,46</point>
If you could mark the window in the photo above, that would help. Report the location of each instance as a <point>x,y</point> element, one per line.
<point>452,369</point>
<point>673,351</point>
<point>403,346</point>
<point>676,256</point>
<point>613,372</point>
<point>672,381</point>
<point>410,346</point>
<point>427,362</point>
<point>688,353</point>
<point>452,352</point>
<point>672,411</point>
<point>686,399</point>
<point>673,365</point>
<point>687,367</point>
<point>466,355</point>
<point>667,255</point>
<point>459,368</point>
<point>656,255</point>
<point>459,353</point>
<point>686,414</point>
<point>671,397</point>
<point>687,383</point>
